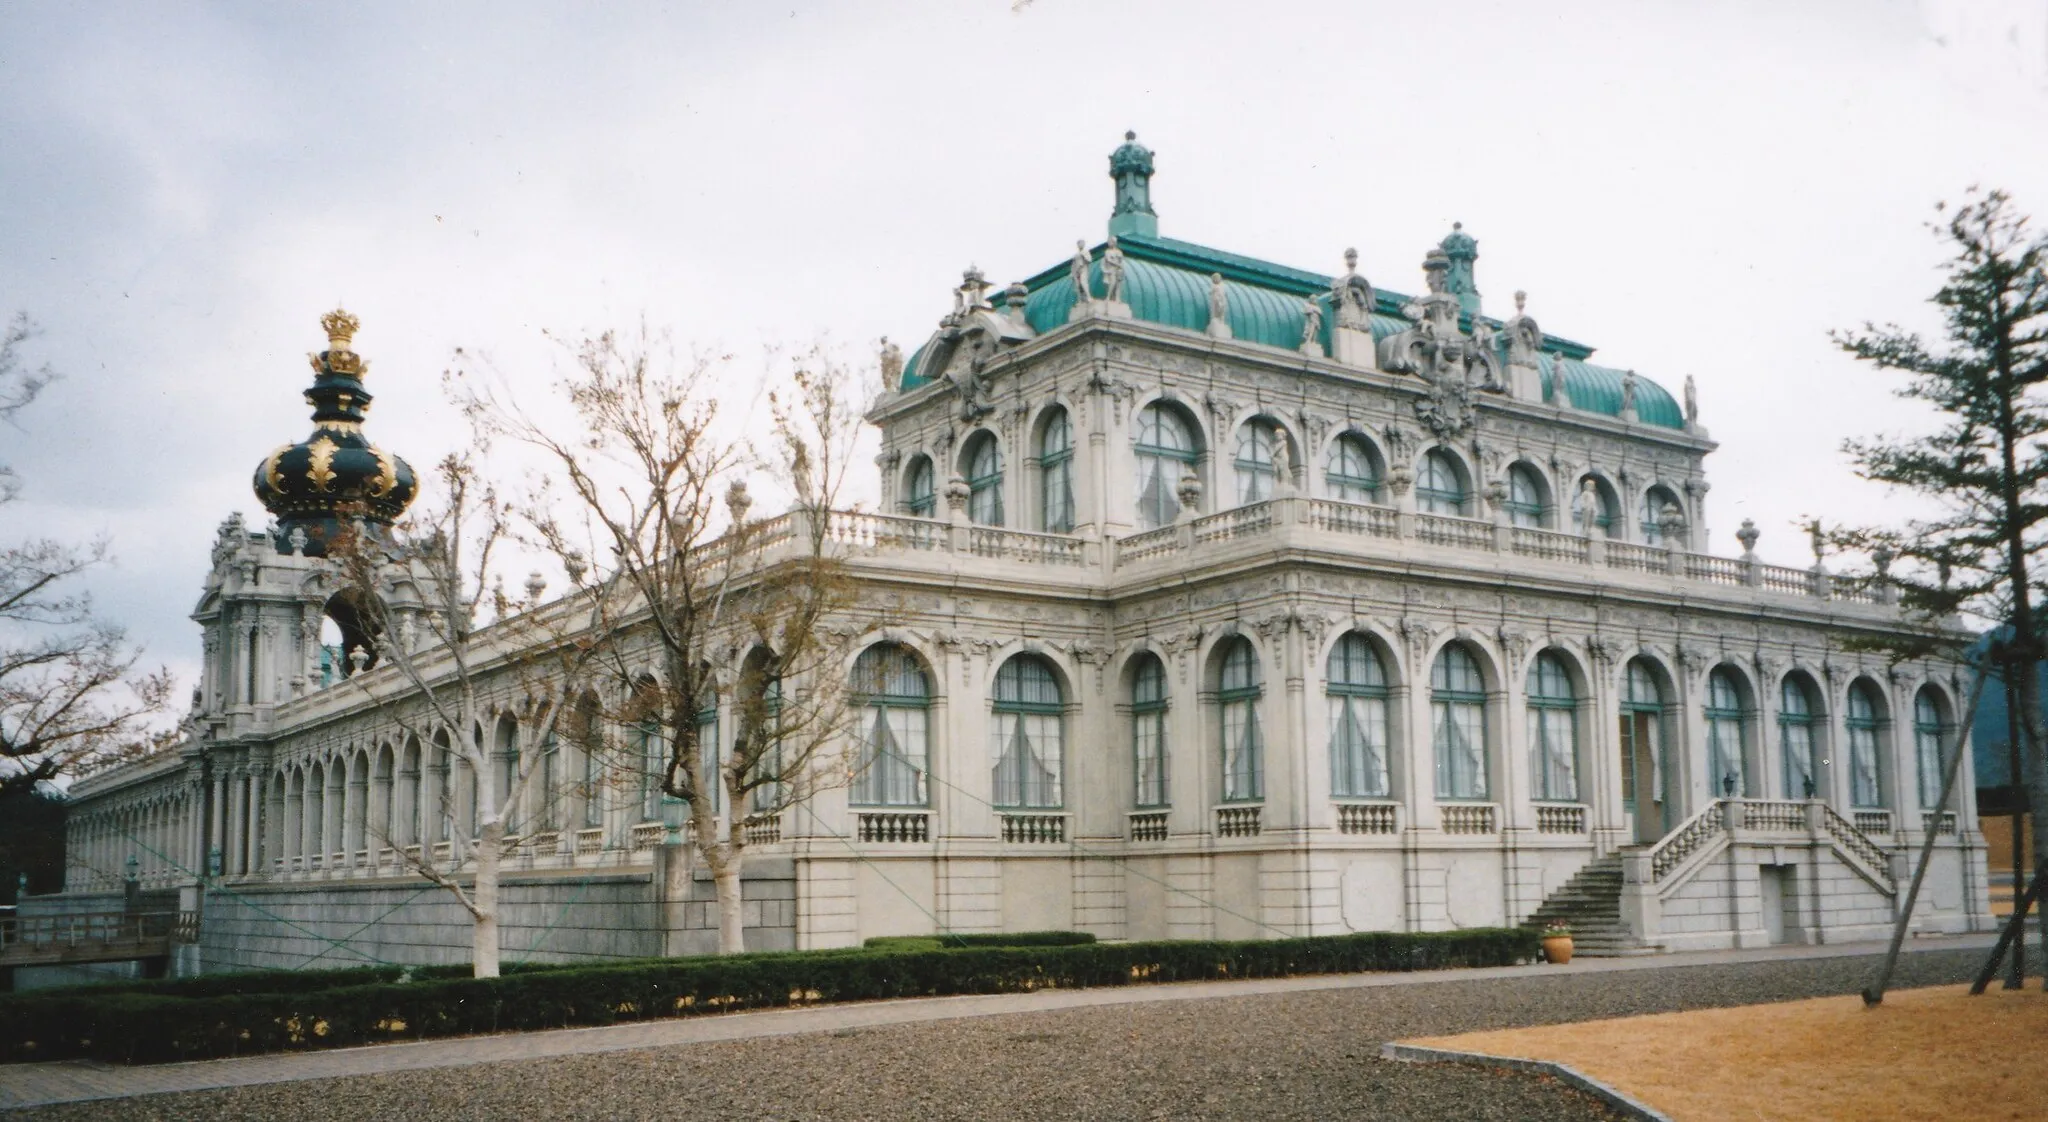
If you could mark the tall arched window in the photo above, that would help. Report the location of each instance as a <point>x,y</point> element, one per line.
<point>1357,690</point>
<point>1642,734</point>
<point>1166,448</point>
<point>1256,476</point>
<point>1525,497</point>
<point>1352,474</point>
<point>1027,737</point>
<point>1553,731</point>
<point>1929,730</point>
<point>1239,686</point>
<point>1797,740</point>
<point>895,701</point>
<point>652,748</point>
<point>1148,731</point>
<point>550,767</point>
<point>1440,486</point>
<point>920,498</point>
<point>708,757</point>
<point>1056,473</point>
<point>1603,504</point>
<point>758,713</point>
<point>1457,705</point>
<point>1866,786</point>
<point>985,481</point>
<point>1651,514</point>
<point>1726,717</point>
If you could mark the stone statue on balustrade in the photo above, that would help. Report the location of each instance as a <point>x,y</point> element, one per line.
<point>1077,272</point>
<point>892,365</point>
<point>1311,328</point>
<point>1113,272</point>
<point>1219,308</point>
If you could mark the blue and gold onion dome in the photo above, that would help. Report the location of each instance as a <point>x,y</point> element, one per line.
<point>334,478</point>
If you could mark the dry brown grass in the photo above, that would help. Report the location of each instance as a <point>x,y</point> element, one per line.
<point>1933,1053</point>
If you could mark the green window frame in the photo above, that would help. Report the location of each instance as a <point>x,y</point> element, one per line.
<point>1727,736</point>
<point>1866,768</point>
<point>1257,475</point>
<point>1641,697</point>
<point>1165,450</point>
<point>985,481</point>
<point>1056,473</point>
<point>1457,703</point>
<point>1525,498</point>
<point>1028,735</point>
<point>1355,687</point>
<point>1148,734</point>
<point>1352,474</point>
<point>1798,743</point>
<point>1929,733</point>
<point>920,494</point>
<point>894,698</point>
<point>1553,730</point>
<point>1239,688</point>
<point>1440,485</point>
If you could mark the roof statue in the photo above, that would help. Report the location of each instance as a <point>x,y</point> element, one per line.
<point>1077,271</point>
<point>1463,250</point>
<point>1351,295</point>
<point>1525,339</point>
<point>1219,307</point>
<point>1628,396</point>
<point>1311,327</point>
<point>892,364</point>
<point>1113,272</point>
<point>1692,402</point>
<point>1131,167</point>
<point>1560,394</point>
<point>335,477</point>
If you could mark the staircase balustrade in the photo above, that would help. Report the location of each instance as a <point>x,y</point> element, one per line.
<point>1683,842</point>
<point>1846,835</point>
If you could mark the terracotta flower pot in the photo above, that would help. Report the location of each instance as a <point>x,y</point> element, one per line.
<point>1557,949</point>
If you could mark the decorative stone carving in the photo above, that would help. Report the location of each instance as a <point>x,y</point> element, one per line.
<point>1485,358</point>
<point>892,365</point>
<point>1560,393</point>
<point>1628,396</point>
<point>1697,657</point>
<point>1589,506</point>
<point>1692,403</point>
<point>1077,272</point>
<point>1219,308</point>
<point>296,541</point>
<point>1418,633</point>
<point>957,493</point>
<point>1351,296</point>
<point>1272,627</point>
<point>1113,272</point>
<point>1015,298</point>
<point>1311,327</point>
<point>1817,539</point>
<point>1515,644</point>
<point>1748,535</point>
<point>1189,492</point>
<point>1525,339</point>
<point>1604,651</point>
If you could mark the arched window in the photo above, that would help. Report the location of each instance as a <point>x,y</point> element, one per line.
<point>1056,473</point>
<point>1352,474</point>
<point>1642,733</point>
<point>550,784</point>
<point>1440,486</point>
<point>920,498</point>
<point>1602,498</point>
<point>985,481</point>
<point>1796,739</point>
<point>708,756</point>
<point>1553,731</point>
<point>1148,731</point>
<point>1257,440</point>
<point>1027,737</point>
<point>759,717</point>
<point>895,701</point>
<point>1357,690</point>
<point>1726,718</point>
<point>1525,497</point>
<point>1239,686</point>
<point>1866,786</point>
<point>652,749</point>
<point>1652,513</point>
<point>1457,705</point>
<point>1929,730</point>
<point>1166,448</point>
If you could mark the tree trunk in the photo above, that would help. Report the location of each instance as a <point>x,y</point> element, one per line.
<point>725,877</point>
<point>484,936</point>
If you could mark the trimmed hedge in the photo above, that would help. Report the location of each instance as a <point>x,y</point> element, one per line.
<point>154,1027</point>
<point>979,939</point>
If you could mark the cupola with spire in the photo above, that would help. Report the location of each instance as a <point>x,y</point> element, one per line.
<point>334,477</point>
<point>1131,166</point>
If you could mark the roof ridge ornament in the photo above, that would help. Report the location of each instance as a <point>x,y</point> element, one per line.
<point>1462,251</point>
<point>1131,167</point>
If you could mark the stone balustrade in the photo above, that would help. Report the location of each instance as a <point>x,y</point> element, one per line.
<point>1469,818</point>
<point>1368,818</point>
<point>1148,826</point>
<point>1238,821</point>
<point>893,826</point>
<point>1560,818</point>
<point>1034,829</point>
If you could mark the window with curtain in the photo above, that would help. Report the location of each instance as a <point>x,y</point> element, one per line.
<point>1796,739</point>
<point>1351,474</point>
<point>1239,686</point>
<point>653,751</point>
<point>1603,506</point>
<point>708,756</point>
<point>550,783</point>
<point>894,698</point>
<point>1440,486</point>
<point>1866,787</point>
<point>1553,731</point>
<point>1642,727</point>
<point>1253,465</point>
<point>1525,497</point>
<point>769,793</point>
<point>1457,707</point>
<point>1026,738</point>
<point>1166,448</point>
<point>1356,688</point>
<point>985,482</point>
<point>1725,720</point>
<point>920,494</point>
<point>1928,733</point>
<point>1056,473</point>
<point>1148,732</point>
<point>1652,513</point>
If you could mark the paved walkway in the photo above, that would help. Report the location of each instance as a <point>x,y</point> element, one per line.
<point>23,1085</point>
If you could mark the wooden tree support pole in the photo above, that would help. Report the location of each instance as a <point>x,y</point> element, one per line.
<point>1874,994</point>
<point>2014,936</point>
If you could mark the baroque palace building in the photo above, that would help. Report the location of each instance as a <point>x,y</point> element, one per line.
<point>1224,599</point>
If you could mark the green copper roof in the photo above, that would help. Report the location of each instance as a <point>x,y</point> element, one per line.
<point>1166,281</point>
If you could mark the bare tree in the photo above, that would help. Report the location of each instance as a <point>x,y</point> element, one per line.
<point>449,666</point>
<point>695,595</point>
<point>71,698</point>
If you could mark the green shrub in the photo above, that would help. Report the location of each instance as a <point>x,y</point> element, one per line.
<point>154,1027</point>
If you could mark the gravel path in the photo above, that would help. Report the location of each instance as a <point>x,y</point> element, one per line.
<point>1275,1056</point>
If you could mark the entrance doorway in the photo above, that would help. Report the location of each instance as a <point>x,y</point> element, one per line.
<point>1642,775</point>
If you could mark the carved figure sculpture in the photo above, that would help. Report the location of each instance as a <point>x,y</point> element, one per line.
<point>892,364</point>
<point>1589,506</point>
<point>1628,393</point>
<point>1525,339</point>
<point>1351,297</point>
<point>1219,301</point>
<point>1560,394</point>
<point>1692,401</point>
<point>1077,271</point>
<point>1311,324</point>
<point>1485,356</point>
<point>1113,272</point>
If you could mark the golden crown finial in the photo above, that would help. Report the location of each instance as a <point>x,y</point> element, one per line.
<point>341,329</point>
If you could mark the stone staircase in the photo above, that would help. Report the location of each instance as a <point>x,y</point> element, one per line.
<point>1591,903</point>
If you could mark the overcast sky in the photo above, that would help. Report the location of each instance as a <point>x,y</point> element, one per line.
<point>1692,189</point>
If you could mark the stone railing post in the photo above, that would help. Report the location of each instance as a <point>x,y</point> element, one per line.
<point>1640,907</point>
<point>1402,481</point>
<point>1596,547</point>
<point>1752,571</point>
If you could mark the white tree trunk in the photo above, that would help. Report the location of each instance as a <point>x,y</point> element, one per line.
<point>484,898</point>
<point>725,877</point>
